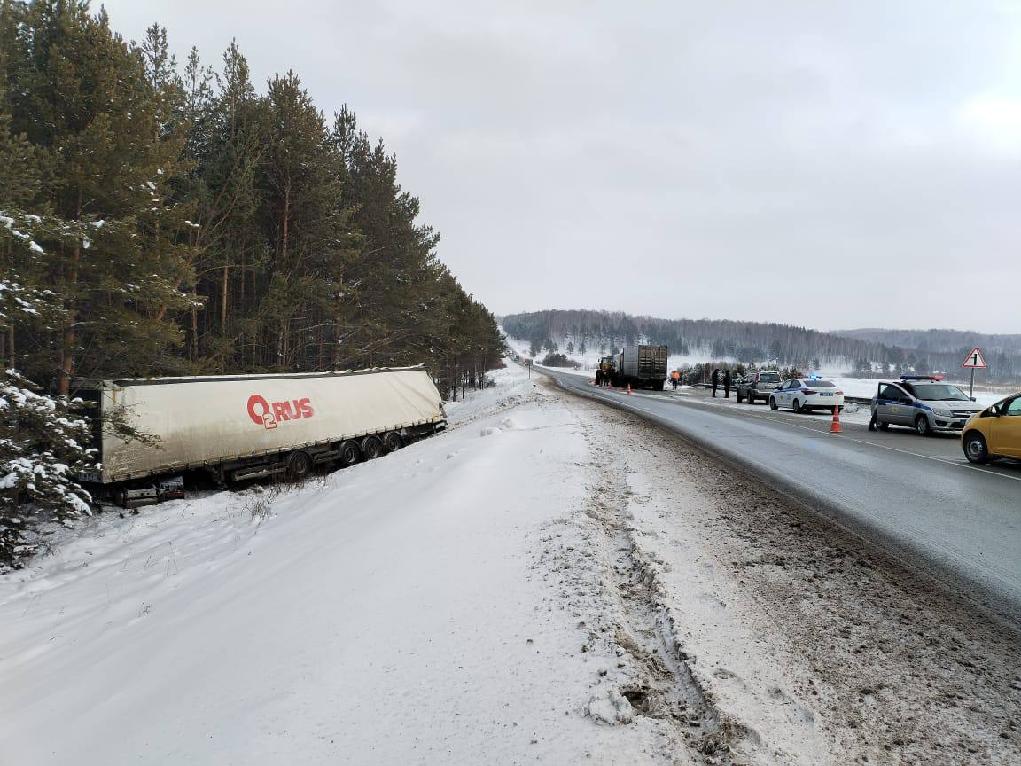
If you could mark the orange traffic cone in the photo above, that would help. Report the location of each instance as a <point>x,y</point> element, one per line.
<point>629,389</point>
<point>835,425</point>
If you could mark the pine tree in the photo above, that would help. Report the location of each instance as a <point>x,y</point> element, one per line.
<point>226,144</point>
<point>44,444</point>
<point>309,227</point>
<point>82,98</point>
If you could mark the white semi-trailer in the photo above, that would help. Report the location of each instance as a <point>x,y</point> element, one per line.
<point>242,427</point>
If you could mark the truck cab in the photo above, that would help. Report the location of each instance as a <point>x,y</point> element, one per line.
<point>605,369</point>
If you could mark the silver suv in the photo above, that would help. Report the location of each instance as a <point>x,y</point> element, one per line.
<point>924,404</point>
<point>758,385</point>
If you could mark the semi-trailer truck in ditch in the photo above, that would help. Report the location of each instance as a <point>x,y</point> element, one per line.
<point>148,432</point>
<point>641,367</point>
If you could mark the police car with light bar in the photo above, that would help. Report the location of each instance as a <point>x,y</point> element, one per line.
<point>804,394</point>
<point>924,403</point>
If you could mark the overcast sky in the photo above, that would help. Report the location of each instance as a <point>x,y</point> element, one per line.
<point>829,164</point>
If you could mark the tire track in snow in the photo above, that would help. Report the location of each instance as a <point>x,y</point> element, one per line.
<point>666,688</point>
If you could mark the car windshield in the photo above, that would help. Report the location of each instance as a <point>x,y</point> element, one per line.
<point>819,384</point>
<point>939,392</point>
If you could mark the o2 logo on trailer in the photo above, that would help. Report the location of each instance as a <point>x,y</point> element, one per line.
<point>269,414</point>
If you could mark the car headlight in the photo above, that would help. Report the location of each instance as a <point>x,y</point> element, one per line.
<point>942,413</point>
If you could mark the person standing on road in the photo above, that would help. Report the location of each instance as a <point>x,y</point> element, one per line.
<point>726,384</point>
<point>716,381</point>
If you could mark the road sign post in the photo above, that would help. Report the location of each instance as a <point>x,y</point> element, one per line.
<point>974,361</point>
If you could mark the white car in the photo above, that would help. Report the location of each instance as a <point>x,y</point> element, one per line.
<point>802,394</point>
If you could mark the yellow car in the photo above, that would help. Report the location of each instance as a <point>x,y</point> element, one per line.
<point>994,432</point>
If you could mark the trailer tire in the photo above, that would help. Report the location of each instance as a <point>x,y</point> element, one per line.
<point>392,442</point>
<point>372,447</point>
<point>349,454</point>
<point>299,465</point>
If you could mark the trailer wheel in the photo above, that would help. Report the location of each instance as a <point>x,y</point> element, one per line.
<point>299,465</point>
<point>349,454</point>
<point>372,447</point>
<point>392,441</point>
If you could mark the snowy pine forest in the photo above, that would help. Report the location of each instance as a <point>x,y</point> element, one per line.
<point>164,217</point>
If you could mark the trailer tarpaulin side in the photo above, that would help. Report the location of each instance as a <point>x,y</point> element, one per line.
<point>206,421</point>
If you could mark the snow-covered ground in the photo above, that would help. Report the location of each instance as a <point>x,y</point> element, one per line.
<point>389,613</point>
<point>547,581</point>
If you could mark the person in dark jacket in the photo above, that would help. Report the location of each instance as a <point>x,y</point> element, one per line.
<point>726,384</point>
<point>716,381</point>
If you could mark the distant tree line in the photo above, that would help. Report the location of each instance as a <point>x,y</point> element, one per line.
<point>166,220</point>
<point>940,340</point>
<point>747,342</point>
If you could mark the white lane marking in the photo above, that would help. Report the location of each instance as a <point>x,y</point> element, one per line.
<point>986,470</point>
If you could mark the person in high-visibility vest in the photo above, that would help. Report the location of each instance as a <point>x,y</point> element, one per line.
<point>675,378</point>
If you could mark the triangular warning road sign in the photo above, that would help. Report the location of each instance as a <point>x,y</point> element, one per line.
<point>975,360</point>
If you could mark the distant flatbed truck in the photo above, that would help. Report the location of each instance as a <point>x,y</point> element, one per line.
<point>243,427</point>
<point>641,367</point>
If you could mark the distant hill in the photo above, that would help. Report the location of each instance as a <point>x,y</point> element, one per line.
<point>863,352</point>
<point>938,340</point>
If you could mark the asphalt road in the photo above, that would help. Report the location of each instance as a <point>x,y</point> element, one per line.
<point>916,495</point>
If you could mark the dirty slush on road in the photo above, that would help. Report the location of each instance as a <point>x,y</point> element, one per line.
<point>752,630</point>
